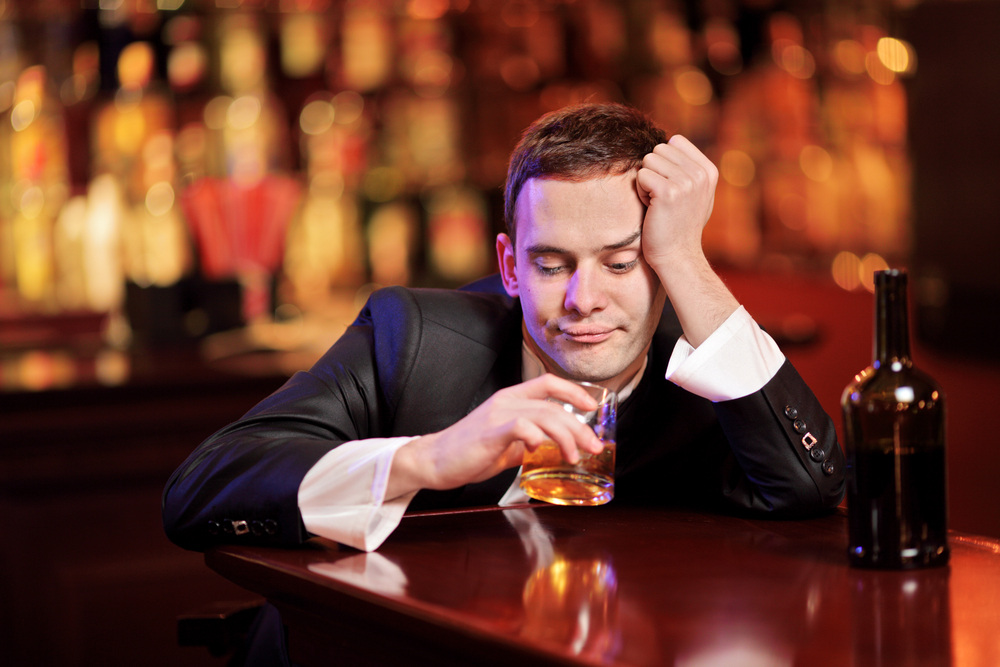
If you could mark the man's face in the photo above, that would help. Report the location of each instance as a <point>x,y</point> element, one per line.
<point>590,301</point>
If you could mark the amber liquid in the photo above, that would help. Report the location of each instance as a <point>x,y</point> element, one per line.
<point>546,476</point>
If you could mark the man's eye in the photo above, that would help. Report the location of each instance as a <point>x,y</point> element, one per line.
<point>549,270</point>
<point>623,267</point>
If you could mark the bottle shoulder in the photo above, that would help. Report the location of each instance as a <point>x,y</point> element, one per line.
<point>892,383</point>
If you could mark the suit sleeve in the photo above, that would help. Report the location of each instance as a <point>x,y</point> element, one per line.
<point>241,484</point>
<point>787,458</point>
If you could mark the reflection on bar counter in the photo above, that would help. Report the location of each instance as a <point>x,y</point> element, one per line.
<point>214,161</point>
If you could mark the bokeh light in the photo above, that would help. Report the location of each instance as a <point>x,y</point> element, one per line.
<point>816,163</point>
<point>737,168</point>
<point>846,270</point>
<point>869,264</point>
<point>693,86</point>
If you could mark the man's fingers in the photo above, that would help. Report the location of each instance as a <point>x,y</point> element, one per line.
<point>551,386</point>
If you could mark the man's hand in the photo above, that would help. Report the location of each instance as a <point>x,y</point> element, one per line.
<point>677,185</point>
<point>492,437</point>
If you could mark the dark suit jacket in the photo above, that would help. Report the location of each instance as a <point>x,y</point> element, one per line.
<point>418,360</point>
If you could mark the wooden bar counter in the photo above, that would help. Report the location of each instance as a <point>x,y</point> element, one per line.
<point>618,585</point>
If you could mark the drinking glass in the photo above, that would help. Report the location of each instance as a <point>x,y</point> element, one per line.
<point>546,475</point>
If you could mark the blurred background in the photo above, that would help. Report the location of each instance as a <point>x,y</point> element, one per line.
<point>197,196</point>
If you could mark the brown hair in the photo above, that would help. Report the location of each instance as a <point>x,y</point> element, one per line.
<point>578,143</point>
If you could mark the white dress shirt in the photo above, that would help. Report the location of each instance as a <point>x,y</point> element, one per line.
<point>342,497</point>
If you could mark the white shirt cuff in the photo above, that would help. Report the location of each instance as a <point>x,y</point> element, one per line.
<point>342,497</point>
<point>738,359</point>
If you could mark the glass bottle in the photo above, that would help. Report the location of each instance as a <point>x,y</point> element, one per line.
<point>894,424</point>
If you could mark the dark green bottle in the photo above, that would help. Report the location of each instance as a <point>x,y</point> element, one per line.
<point>894,428</point>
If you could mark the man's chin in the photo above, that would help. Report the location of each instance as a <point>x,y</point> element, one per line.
<point>582,371</point>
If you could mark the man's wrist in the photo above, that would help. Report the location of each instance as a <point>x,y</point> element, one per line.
<point>409,471</point>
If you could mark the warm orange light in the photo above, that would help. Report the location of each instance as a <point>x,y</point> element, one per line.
<point>519,72</point>
<point>135,65</point>
<point>797,61</point>
<point>867,268</point>
<point>737,168</point>
<point>426,9</point>
<point>845,270</point>
<point>850,56</point>
<point>816,163</point>
<point>693,86</point>
<point>878,71</point>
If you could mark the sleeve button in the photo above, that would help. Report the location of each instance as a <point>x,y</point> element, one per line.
<point>791,412</point>
<point>213,527</point>
<point>828,467</point>
<point>817,454</point>
<point>800,426</point>
<point>271,527</point>
<point>257,528</point>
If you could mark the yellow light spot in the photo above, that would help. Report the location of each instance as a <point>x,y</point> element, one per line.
<point>135,65</point>
<point>816,163</point>
<point>737,168</point>
<point>845,270</point>
<point>160,198</point>
<point>693,86</point>
<point>22,115</point>
<point>316,117</point>
<point>867,268</point>
<point>243,112</point>
<point>894,54</point>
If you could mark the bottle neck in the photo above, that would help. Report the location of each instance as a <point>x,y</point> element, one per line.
<point>892,333</point>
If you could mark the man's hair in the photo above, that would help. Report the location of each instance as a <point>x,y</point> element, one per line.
<point>577,143</point>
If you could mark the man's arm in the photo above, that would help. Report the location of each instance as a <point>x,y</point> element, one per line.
<point>246,478</point>
<point>677,184</point>
<point>789,461</point>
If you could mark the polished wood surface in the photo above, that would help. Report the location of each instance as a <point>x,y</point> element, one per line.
<point>624,586</point>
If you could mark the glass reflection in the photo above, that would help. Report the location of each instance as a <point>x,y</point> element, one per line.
<point>569,600</point>
<point>901,618</point>
<point>574,603</point>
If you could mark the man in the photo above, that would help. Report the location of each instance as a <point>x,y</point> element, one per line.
<point>431,396</point>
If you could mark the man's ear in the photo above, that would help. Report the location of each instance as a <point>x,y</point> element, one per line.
<point>505,259</point>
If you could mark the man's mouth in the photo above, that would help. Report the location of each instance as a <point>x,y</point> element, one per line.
<point>586,334</point>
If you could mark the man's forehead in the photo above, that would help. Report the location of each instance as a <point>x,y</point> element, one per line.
<point>604,211</point>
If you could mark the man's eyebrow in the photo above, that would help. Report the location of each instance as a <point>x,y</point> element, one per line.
<point>541,249</point>
<point>625,242</point>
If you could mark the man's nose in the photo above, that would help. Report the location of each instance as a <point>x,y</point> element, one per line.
<point>585,292</point>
